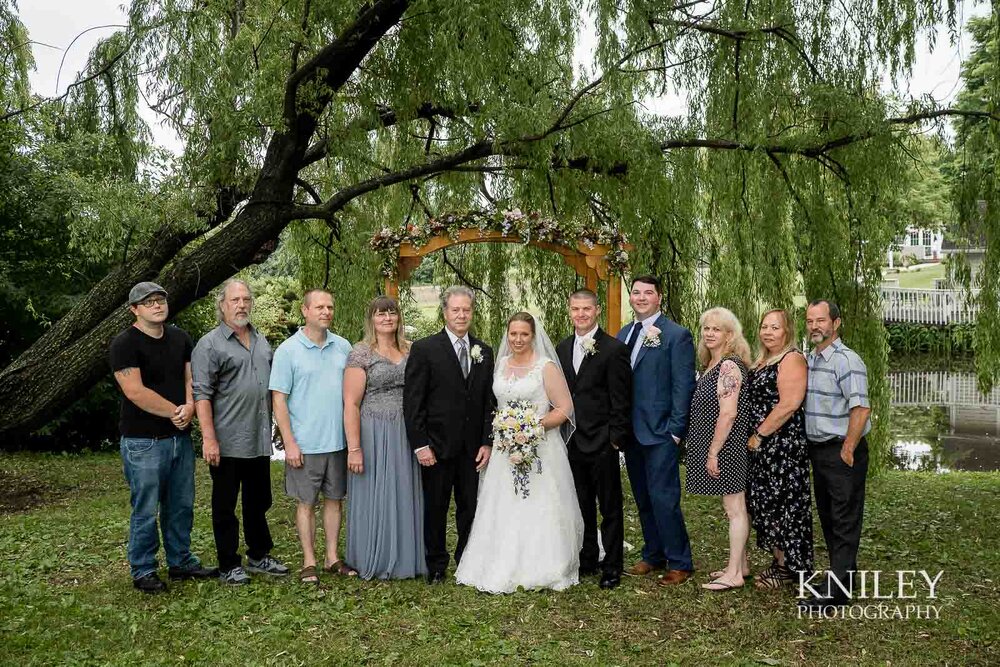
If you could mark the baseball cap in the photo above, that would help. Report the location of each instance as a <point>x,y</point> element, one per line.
<point>139,293</point>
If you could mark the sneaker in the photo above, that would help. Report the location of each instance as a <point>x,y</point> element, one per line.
<point>267,565</point>
<point>234,577</point>
<point>149,583</point>
<point>196,572</point>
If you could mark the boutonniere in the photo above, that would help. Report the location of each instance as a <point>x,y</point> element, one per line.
<point>476,353</point>
<point>652,338</point>
<point>589,346</point>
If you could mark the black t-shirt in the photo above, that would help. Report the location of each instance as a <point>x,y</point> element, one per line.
<point>161,362</point>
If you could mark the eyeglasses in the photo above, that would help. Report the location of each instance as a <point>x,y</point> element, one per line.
<point>385,314</point>
<point>155,301</point>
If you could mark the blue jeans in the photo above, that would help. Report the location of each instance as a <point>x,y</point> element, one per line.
<point>160,475</point>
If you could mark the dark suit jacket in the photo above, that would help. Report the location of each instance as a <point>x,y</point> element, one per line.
<point>662,381</point>
<point>442,409</point>
<point>602,394</point>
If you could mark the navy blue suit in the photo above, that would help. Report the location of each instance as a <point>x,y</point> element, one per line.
<point>663,381</point>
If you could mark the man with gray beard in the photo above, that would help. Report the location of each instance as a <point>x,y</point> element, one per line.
<point>231,368</point>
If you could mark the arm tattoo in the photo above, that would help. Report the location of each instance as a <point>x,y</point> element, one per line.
<point>125,371</point>
<point>729,379</point>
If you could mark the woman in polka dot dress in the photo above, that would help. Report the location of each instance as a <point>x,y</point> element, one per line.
<point>719,425</point>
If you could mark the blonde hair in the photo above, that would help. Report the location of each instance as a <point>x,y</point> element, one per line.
<point>382,304</point>
<point>736,343</point>
<point>788,324</point>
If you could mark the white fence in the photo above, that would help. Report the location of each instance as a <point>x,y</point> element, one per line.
<point>939,388</point>
<point>928,306</point>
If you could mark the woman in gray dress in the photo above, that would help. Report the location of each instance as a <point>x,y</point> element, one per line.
<point>385,534</point>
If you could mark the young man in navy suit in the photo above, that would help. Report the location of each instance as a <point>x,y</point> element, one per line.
<point>663,380</point>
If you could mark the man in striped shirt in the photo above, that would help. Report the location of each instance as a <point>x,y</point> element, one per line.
<point>837,419</point>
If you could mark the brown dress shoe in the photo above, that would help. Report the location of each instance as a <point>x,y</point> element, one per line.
<point>641,569</point>
<point>674,577</point>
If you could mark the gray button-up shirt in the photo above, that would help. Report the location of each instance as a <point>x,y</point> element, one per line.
<point>235,379</point>
<point>838,381</point>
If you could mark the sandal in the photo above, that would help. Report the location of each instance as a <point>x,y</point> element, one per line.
<point>718,574</point>
<point>719,586</point>
<point>340,568</point>
<point>774,576</point>
<point>308,575</point>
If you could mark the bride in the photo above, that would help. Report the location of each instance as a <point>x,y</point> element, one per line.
<point>530,540</point>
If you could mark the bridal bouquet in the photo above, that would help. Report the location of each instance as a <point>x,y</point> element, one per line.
<point>518,431</point>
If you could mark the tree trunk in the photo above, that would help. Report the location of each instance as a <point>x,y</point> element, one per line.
<point>72,355</point>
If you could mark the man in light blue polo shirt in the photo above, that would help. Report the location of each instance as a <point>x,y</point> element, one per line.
<point>307,380</point>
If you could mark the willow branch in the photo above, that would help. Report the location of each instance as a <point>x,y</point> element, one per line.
<point>817,150</point>
<point>383,117</point>
<point>335,203</point>
<point>107,67</point>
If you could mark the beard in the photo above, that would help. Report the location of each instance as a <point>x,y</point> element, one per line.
<point>241,320</point>
<point>819,336</point>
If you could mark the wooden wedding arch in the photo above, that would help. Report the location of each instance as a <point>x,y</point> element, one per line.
<point>590,261</point>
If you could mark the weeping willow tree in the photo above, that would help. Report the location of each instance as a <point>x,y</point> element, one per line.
<point>312,123</point>
<point>977,186</point>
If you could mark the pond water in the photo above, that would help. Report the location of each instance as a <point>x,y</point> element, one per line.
<point>940,421</point>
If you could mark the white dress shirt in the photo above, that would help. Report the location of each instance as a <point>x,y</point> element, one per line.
<point>646,323</point>
<point>578,351</point>
<point>457,347</point>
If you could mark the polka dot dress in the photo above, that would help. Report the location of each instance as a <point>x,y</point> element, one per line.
<point>733,459</point>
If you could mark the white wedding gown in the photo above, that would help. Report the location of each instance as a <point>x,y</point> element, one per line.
<point>519,542</point>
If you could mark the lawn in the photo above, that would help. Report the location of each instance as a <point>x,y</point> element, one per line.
<point>65,595</point>
<point>922,278</point>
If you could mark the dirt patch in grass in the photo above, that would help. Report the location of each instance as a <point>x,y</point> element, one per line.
<point>20,493</point>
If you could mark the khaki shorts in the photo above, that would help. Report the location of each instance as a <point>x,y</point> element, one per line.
<point>326,473</point>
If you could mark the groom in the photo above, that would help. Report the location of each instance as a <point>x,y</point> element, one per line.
<point>597,371</point>
<point>662,356</point>
<point>448,407</point>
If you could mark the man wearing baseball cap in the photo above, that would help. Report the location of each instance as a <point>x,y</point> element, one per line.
<point>152,365</point>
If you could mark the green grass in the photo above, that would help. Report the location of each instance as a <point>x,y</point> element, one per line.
<point>66,598</point>
<point>921,279</point>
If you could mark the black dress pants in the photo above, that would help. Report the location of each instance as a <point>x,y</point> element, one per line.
<point>253,477</point>
<point>598,481</point>
<point>840,503</point>
<point>458,474</point>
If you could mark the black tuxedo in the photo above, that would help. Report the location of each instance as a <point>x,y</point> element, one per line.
<point>602,402</point>
<point>453,416</point>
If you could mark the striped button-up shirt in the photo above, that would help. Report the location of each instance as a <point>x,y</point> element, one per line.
<point>838,381</point>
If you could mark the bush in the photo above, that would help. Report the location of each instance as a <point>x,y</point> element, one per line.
<point>929,338</point>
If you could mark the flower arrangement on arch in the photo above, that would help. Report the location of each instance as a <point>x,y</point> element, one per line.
<point>530,226</point>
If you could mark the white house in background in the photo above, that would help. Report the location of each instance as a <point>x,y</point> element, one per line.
<point>920,243</point>
<point>974,251</point>
<point>974,254</point>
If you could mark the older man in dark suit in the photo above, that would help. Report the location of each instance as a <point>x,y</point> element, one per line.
<point>448,406</point>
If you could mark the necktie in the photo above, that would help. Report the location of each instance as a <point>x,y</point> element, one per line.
<point>578,354</point>
<point>463,357</point>
<point>633,337</point>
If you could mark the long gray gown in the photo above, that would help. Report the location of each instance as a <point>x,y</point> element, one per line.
<point>385,525</point>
